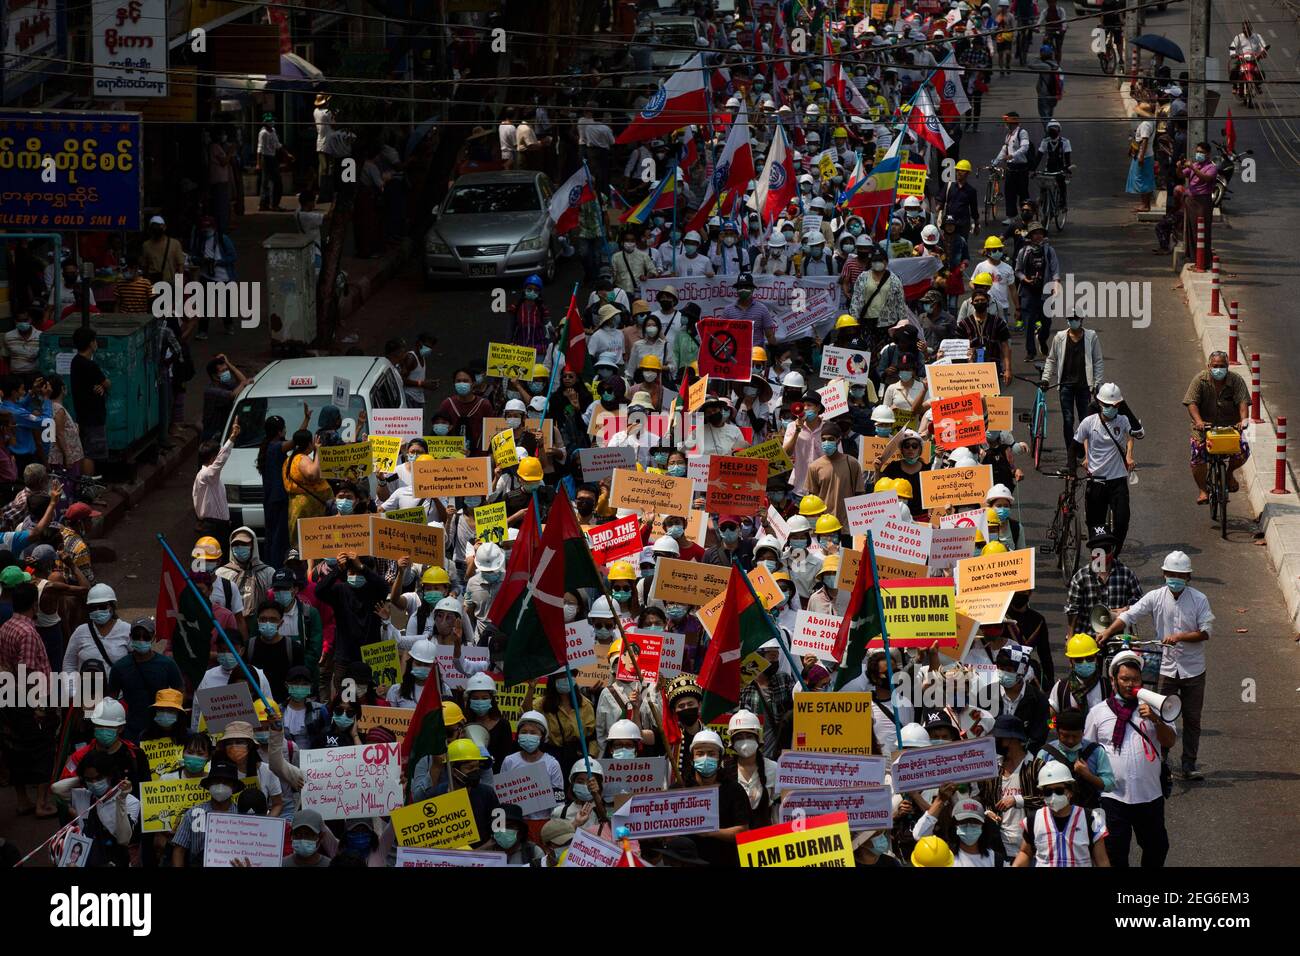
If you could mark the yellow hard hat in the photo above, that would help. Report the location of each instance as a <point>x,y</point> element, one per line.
<point>435,576</point>
<point>829,564</point>
<point>827,524</point>
<point>992,515</point>
<point>1081,645</point>
<point>622,571</point>
<point>814,85</point>
<point>982,281</point>
<point>760,354</point>
<point>931,851</point>
<point>884,484</point>
<point>207,548</point>
<point>993,242</point>
<point>847,321</point>
<point>782,576</point>
<point>424,457</point>
<point>994,547</point>
<point>810,506</point>
<point>979,537</point>
<point>615,648</point>
<point>651,362</point>
<point>452,714</point>
<point>259,708</point>
<point>903,487</point>
<point>530,469</point>
<point>459,751</point>
<point>541,371</point>
<point>839,131</point>
<point>964,166</point>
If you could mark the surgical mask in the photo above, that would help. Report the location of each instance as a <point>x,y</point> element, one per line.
<point>24,327</point>
<point>529,743</point>
<point>304,848</point>
<point>432,597</point>
<point>1085,669</point>
<point>1175,584</point>
<point>677,531</point>
<point>220,792</point>
<point>1218,374</point>
<point>857,391</point>
<point>745,748</point>
<point>481,707</point>
<point>242,554</point>
<point>473,502</point>
<point>105,735</point>
<point>514,421</point>
<point>141,647</point>
<point>343,721</point>
<point>676,611</point>
<point>1110,411</point>
<point>1076,324</point>
<point>582,793</point>
<point>624,753</point>
<point>563,685</point>
<point>226,661</point>
<point>877,266</point>
<point>677,471</point>
<point>491,577</point>
<point>299,691</point>
<point>1058,802</point>
<point>603,633</point>
<point>770,565</point>
<point>995,255</point>
<point>880,844</point>
<point>1003,513</point>
<point>506,839</point>
<point>659,458</point>
<point>194,763</point>
<point>830,447</point>
<point>904,377</point>
<point>420,673</point>
<point>344,506</point>
<point>728,241</point>
<point>629,247</point>
<point>911,459</point>
<point>227,378</point>
<point>101,617</point>
<point>441,428</point>
<point>651,375</point>
<point>969,833</point>
<point>730,537</point>
<point>706,766</point>
<point>810,414</point>
<point>530,293</point>
<point>1200,157</point>
<point>267,628</point>
<point>750,391</point>
<point>97,788</point>
<point>165,719</point>
<point>462,388</point>
<point>1008,678</point>
<point>537,388</point>
<point>356,580</point>
<point>621,596</point>
<point>283,598</point>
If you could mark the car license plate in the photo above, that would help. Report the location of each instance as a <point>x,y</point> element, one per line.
<point>482,270</point>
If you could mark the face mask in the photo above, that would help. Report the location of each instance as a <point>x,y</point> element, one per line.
<point>730,537</point>
<point>1008,678</point>
<point>622,597</point>
<point>514,421</point>
<point>624,753</point>
<point>995,255</point>
<point>810,414</point>
<point>537,387</point>
<point>770,565</point>
<point>691,249</point>
<point>24,327</point>
<point>1218,374</point>
<point>676,611</point>
<point>441,428</point>
<point>267,628</point>
<point>530,293</point>
<point>97,788</point>
<point>629,247</point>
<point>563,685</point>
<point>1085,669</point>
<point>227,378</point>
<point>304,848</point>
<point>905,377</point>
<point>706,766</point>
<point>1076,324</point>
<point>283,598</point>
<point>242,554</point>
<point>529,743</point>
<point>299,691</point>
<point>716,419</point>
<point>744,295</point>
<point>343,721</point>
<point>728,241</point>
<point>880,844</point>
<point>1109,411</point>
<point>492,577</point>
<point>794,544</point>
<point>462,388</point>
<point>1058,802</point>
<point>1003,513</point>
<point>101,617</point>
<point>506,839</point>
<point>830,447</point>
<point>981,307</point>
<point>420,673</point>
<point>358,842</point>
<point>911,459</point>
<point>194,763</point>
<point>582,793</point>
<point>688,717</point>
<point>969,833</point>
<point>473,502</point>
<point>261,738</point>
<point>220,792</point>
<point>226,662</point>
<point>344,505</point>
<point>1175,584</point>
<point>480,707</point>
<point>877,267</point>
<point>745,748</point>
<point>356,580</point>
<point>857,391</point>
<point>603,633</point>
<point>141,647</point>
<point>650,376</point>
<point>1200,157</point>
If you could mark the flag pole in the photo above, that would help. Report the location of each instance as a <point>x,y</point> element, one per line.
<point>884,637</point>
<point>771,625</point>
<point>252,681</point>
<point>600,215</point>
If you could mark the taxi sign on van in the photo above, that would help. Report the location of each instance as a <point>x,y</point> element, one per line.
<point>302,381</point>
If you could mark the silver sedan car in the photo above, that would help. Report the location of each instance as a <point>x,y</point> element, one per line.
<point>492,225</point>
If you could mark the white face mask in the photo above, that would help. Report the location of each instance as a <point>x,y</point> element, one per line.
<point>649,376</point>
<point>745,748</point>
<point>570,613</point>
<point>1058,802</point>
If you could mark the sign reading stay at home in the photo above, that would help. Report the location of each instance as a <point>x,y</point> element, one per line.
<point>1010,571</point>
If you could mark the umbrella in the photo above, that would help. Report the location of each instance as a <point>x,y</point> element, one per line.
<point>1162,45</point>
<point>420,131</point>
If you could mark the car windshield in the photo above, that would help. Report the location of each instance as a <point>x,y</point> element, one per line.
<point>494,197</point>
<point>252,414</point>
<point>678,34</point>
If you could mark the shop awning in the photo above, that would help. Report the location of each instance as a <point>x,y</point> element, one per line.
<point>296,74</point>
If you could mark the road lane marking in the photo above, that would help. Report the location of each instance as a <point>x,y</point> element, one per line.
<point>1272,33</point>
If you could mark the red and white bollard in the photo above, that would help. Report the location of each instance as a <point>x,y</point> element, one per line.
<point>1233,329</point>
<point>1201,252</point>
<point>1254,388</point>
<point>1279,478</point>
<point>1214,285</point>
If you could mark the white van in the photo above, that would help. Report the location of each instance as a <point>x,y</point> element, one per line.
<point>281,389</point>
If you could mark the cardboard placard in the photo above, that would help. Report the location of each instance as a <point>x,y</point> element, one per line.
<point>635,775</point>
<point>350,462</point>
<point>872,447</point>
<point>815,634</point>
<point>737,486</point>
<point>503,450</point>
<point>1001,410</point>
<point>958,420</point>
<point>599,463</point>
<point>967,629</point>
<point>397,720</point>
<point>919,611</point>
<point>645,665</point>
<point>528,786</point>
<point>963,761</point>
<point>726,348</point>
<point>586,850</point>
<point>911,180</point>
<point>947,487</point>
<point>835,399</point>
<point>446,446</point>
<point>403,423</point>
<point>852,365</point>
<point>962,378</point>
<point>807,842</point>
<point>164,802</point>
<point>1012,571</point>
<point>778,462</point>
<point>490,522</point>
<point>949,351</point>
<point>865,511</point>
<point>220,705</point>
<point>890,568</point>
<point>330,537</point>
<point>950,545</point>
<point>164,756</point>
<point>510,361</point>
<point>642,491</point>
<point>867,808</point>
<point>809,770</point>
<point>416,515</point>
<point>765,586</point>
<point>615,539</point>
<point>385,452</point>
<point>838,723</point>
<point>410,857</point>
<point>245,837</point>
<point>695,393</point>
<point>672,813</point>
<point>976,518</point>
<point>342,783</point>
<point>580,640</point>
<point>445,821</point>
<point>397,539</point>
<point>985,607</point>
<point>385,664</point>
<point>697,527</point>
<point>451,477</point>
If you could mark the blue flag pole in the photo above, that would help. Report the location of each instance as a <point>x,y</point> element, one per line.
<point>884,637</point>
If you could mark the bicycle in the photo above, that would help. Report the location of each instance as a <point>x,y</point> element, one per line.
<point>1108,56</point>
<point>992,193</point>
<point>1219,471</point>
<point>1050,207</point>
<point>1065,535</point>
<point>1037,419</point>
<point>1024,36</point>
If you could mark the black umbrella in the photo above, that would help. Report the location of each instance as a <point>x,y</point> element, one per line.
<point>1162,45</point>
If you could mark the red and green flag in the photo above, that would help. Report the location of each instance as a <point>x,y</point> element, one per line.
<point>861,625</point>
<point>742,629</point>
<point>427,735</point>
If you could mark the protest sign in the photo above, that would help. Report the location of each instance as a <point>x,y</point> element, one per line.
<point>384,453</point>
<point>695,393</point>
<point>642,491</point>
<point>580,640</point>
<point>1011,571</point>
<point>220,705</point>
<point>902,540</point>
<point>162,802</point>
<point>342,389</point>
<point>837,723</point>
<point>510,700</point>
<point>647,648</point>
<point>797,304</point>
<point>348,462</point>
<point>445,658</point>
<point>246,837</point>
<point>778,462</point>
<point>726,348</point>
<point>919,611</point>
<point>737,486</point>
<point>1001,409</point>
<point>510,361</point>
<point>416,515</point>
<point>396,720</point>
<point>671,653</point>
<point>503,450</point>
<point>765,586</point>
<point>948,487</point>
<point>823,841</point>
<point>835,399</point>
<point>403,423</point>
<point>814,634</point>
<point>342,783</point>
<point>329,537</point>
<point>962,378</point>
<point>528,786</point>
<point>950,545</point>
<point>164,756</point>
<point>446,446</point>
<point>890,568</point>
<point>967,629</point>
<point>864,511</point>
<point>852,365</point>
<point>599,463</point>
<point>397,539</point>
<point>688,582</point>
<point>962,761</point>
<point>635,775</point>
<point>586,850</point>
<point>76,849</point>
<point>949,351</point>
<point>670,813</point>
<point>449,477</point>
<point>409,857</point>
<point>385,666</point>
<point>616,539</point>
<point>490,522</point>
<point>809,770</point>
<point>697,527</point>
<point>975,518</point>
<point>911,179</point>
<point>867,808</point>
<point>986,607</point>
<point>870,448</point>
<point>446,821</point>
<point>958,420</point>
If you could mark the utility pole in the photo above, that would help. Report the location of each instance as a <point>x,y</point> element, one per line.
<point>1197,122</point>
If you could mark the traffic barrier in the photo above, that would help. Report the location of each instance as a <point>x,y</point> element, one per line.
<point>1254,389</point>
<point>1214,285</point>
<point>1201,252</point>
<point>1279,476</point>
<point>1233,329</point>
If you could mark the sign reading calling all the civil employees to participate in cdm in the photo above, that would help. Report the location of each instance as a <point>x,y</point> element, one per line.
<point>70,170</point>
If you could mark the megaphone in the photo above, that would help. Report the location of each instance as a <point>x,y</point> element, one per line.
<point>1101,618</point>
<point>1167,706</point>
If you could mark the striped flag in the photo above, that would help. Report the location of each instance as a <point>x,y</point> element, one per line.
<point>663,196</point>
<point>923,120</point>
<point>568,199</point>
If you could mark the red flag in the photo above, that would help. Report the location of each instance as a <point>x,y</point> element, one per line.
<point>629,858</point>
<point>427,734</point>
<point>575,349</point>
<point>171,587</point>
<point>924,121</point>
<point>681,100</point>
<point>741,629</point>
<point>859,597</point>
<point>1230,134</point>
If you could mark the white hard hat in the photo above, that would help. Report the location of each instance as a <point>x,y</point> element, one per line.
<point>109,713</point>
<point>581,766</point>
<point>930,234</point>
<point>534,717</point>
<point>912,202</point>
<point>798,524</point>
<point>479,681</point>
<point>733,102</point>
<point>515,405</point>
<point>812,110</point>
<point>767,541</point>
<point>743,721</point>
<point>448,604</point>
<point>777,241</point>
<point>818,203</point>
<point>882,415</point>
<point>1054,772</point>
<point>624,730</point>
<point>914,735</point>
<point>815,237</point>
<point>667,545</point>
<point>806,178</point>
<point>1110,394</point>
<point>424,651</point>
<point>998,491</point>
<point>792,380</point>
<point>707,737</point>
<point>101,594</point>
<point>1178,562</point>
<point>600,608</point>
<point>1125,657</point>
<point>963,458</point>
<point>814,138</point>
<point>691,236</point>
<point>489,557</point>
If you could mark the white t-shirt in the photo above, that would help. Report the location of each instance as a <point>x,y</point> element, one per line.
<point>1105,460</point>
<point>1013,816</point>
<point>82,648</point>
<point>506,133</point>
<point>1004,277</point>
<point>324,126</point>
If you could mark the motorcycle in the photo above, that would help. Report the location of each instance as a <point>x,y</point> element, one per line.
<point>1226,166</point>
<point>1250,78</point>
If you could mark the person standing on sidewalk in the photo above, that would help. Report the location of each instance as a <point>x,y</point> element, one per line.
<point>1200,175</point>
<point>220,181</point>
<point>1182,619</point>
<point>215,253</point>
<point>324,118</point>
<point>268,166</point>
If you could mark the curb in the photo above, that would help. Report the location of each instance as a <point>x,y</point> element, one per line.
<point>390,264</point>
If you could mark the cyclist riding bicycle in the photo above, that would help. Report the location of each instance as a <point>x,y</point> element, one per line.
<point>1216,398</point>
<point>1052,21</point>
<point>1055,150</point>
<point>1107,440</point>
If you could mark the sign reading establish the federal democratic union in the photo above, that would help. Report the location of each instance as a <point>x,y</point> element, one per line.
<point>65,169</point>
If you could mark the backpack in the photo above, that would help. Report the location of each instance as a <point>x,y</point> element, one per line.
<point>1033,156</point>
